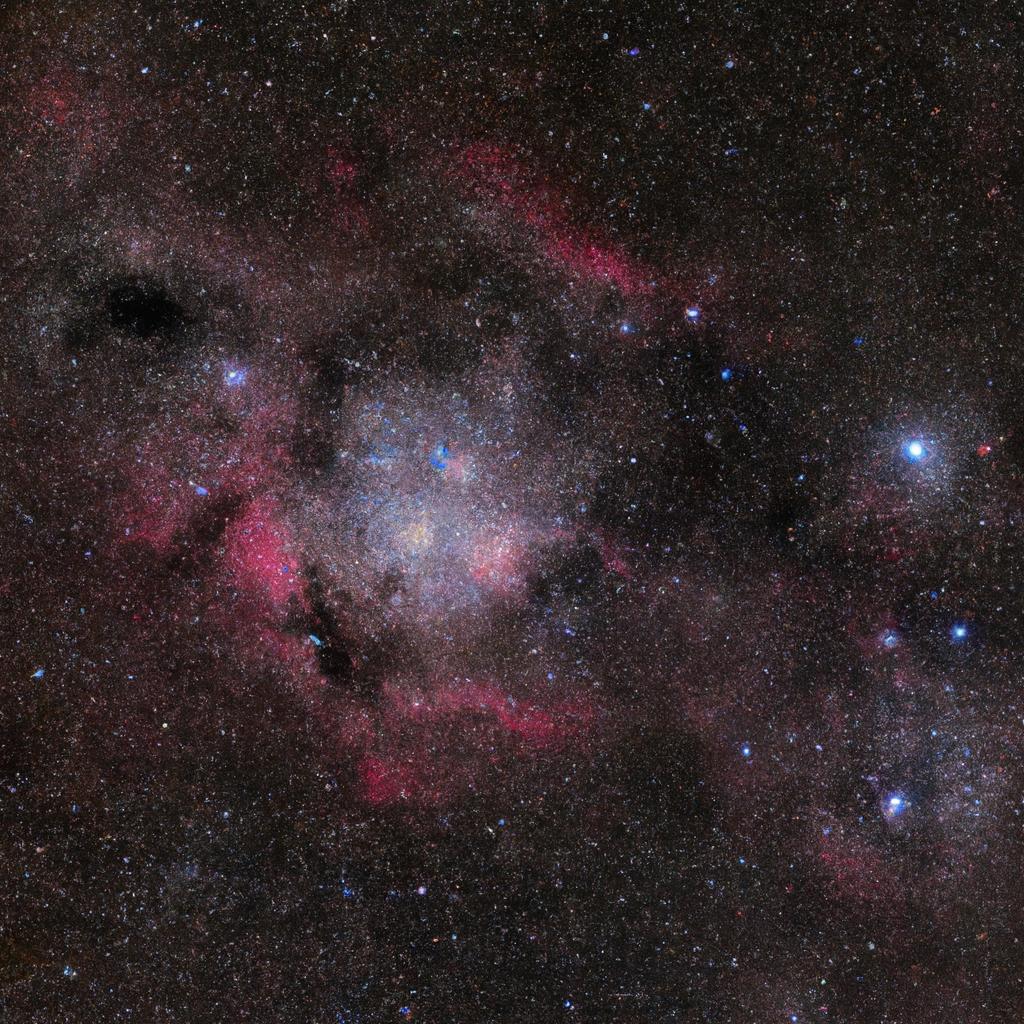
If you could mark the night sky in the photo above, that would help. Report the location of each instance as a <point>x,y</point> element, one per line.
<point>511,514</point>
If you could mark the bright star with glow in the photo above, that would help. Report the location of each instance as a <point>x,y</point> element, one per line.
<point>914,450</point>
<point>958,632</point>
<point>895,805</point>
<point>692,313</point>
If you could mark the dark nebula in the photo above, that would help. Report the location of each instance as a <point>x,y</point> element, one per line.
<point>511,513</point>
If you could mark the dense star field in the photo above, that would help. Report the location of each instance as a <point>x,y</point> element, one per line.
<point>511,514</point>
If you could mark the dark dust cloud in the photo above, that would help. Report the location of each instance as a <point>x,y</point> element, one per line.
<point>511,513</point>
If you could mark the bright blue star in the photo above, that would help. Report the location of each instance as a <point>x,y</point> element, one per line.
<point>914,450</point>
<point>745,750</point>
<point>958,632</point>
<point>895,805</point>
<point>727,374</point>
<point>626,328</point>
<point>890,638</point>
<point>858,341</point>
<point>692,313</point>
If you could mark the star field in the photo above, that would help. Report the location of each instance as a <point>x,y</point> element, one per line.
<point>511,513</point>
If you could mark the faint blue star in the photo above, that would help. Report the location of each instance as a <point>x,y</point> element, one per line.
<point>234,376</point>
